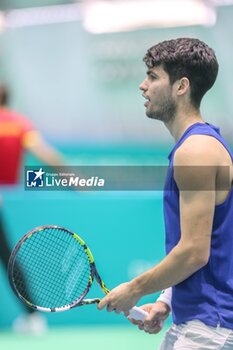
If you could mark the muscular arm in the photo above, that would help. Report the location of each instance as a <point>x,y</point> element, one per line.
<point>195,176</point>
<point>192,251</point>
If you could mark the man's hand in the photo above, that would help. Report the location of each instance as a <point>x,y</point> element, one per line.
<point>158,312</point>
<point>120,299</point>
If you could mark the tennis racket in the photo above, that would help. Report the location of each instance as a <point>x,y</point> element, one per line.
<point>51,269</point>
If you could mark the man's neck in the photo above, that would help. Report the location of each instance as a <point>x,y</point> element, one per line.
<point>182,121</point>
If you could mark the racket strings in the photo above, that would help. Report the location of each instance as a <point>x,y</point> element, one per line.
<point>51,269</point>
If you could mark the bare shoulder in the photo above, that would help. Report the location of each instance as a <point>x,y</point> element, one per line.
<point>202,150</point>
<point>198,164</point>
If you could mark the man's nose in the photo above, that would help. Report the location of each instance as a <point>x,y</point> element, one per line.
<point>143,85</point>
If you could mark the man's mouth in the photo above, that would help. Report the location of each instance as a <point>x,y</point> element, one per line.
<point>147,100</point>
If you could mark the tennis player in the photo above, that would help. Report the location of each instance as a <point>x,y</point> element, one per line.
<point>198,206</point>
<point>17,136</point>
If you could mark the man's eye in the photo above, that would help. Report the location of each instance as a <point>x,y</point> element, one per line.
<point>152,77</point>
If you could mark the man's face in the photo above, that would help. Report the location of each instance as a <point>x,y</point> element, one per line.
<point>157,90</point>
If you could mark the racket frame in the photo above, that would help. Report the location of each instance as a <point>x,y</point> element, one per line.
<point>93,272</point>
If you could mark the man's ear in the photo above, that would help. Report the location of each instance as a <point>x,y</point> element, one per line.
<point>183,85</point>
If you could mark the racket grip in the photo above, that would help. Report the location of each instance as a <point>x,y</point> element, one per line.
<point>138,314</point>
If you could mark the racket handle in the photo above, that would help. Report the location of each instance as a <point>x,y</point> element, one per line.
<point>138,314</point>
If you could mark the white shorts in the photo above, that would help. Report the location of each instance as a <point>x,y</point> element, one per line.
<point>197,335</point>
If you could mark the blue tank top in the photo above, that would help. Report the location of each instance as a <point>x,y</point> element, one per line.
<point>207,295</point>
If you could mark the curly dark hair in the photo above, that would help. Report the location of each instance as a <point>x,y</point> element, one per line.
<point>186,57</point>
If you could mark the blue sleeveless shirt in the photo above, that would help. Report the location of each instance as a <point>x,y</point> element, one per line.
<point>207,295</point>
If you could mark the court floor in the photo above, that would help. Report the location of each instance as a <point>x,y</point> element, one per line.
<point>88,338</point>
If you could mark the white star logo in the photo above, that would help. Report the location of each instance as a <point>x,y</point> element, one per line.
<point>39,174</point>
